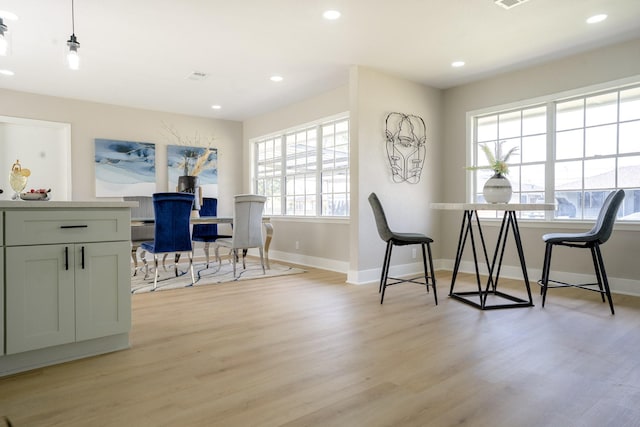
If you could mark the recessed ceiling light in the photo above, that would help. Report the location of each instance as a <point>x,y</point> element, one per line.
<point>197,75</point>
<point>331,15</point>
<point>216,107</point>
<point>8,15</point>
<point>457,64</point>
<point>508,4</point>
<point>277,78</point>
<point>596,18</point>
<point>7,72</point>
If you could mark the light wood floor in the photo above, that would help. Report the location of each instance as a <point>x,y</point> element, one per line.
<point>309,350</point>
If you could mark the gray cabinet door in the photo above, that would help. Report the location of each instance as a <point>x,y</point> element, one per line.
<point>40,297</point>
<point>1,285</point>
<point>103,289</point>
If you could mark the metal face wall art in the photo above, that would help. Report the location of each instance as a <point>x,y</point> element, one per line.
<point>405,141</point>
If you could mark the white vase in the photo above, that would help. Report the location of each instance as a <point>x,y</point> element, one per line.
<point>497,189</point>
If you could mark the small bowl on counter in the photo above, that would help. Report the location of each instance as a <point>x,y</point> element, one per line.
<point>36,195</point>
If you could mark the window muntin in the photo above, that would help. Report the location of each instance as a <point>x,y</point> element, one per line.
<point>308,171</point>
<point>592,148</point>
<point>525,129</point>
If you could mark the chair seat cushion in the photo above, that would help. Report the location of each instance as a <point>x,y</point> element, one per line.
<point>570,237</point>
<point>148,246</point>
<point>409,238</point>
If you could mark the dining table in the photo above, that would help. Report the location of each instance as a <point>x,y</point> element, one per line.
<point>195,219</point>
<point>471,231</point>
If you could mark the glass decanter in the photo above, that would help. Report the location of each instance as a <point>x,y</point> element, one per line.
<point>18,179</point>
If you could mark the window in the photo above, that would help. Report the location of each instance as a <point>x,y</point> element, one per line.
<point>571,152</point>
<point>305,171</point>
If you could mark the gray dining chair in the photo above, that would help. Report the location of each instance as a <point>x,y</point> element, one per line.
<point>247,229</point>
<point>140,233</point>
<point>591,240</point>
<point>401,239</point>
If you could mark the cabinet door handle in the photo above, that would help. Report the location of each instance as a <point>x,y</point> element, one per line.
<point>82,252</point>
<point>74,226</point>
<point>66,257</point>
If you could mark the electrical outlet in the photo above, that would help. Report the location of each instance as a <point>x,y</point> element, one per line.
<point>297,245</point>
<point>414,253</point>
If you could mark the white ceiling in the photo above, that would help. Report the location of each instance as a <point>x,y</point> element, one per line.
<point>138,53</point>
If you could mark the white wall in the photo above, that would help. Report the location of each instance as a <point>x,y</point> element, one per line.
<point>373,96</point>
<point>321,242</point>
<point>591,68</point>
<point>354,246</point>
<point>92,120</point>
<point>41,147</point>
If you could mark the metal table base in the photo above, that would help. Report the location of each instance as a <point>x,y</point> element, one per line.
<point>479,298</point>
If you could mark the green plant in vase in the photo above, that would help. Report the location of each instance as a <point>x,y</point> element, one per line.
<point>497,189</point>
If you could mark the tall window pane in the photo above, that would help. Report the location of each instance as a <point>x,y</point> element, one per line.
<point>573,152</point>
<point>629,136</point>
<point>630,104</point>
<point>304,172</point>
<point>569,144</point>
<point>570,115</point>
<point>601,140</point>
<point>602,109</point>
<point>523,130</point>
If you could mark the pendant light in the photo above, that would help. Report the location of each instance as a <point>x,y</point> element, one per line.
<point>73,60</point>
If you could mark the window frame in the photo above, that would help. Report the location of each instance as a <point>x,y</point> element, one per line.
<point>550,101</point>
<point>317,194</point>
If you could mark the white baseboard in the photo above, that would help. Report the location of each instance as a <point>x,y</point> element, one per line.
<point>361,277</point>
<point>309,261</point>
<point>617,285</point>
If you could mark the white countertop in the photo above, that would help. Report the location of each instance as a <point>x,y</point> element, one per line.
<point>50,204</point>
<point>495,206</point>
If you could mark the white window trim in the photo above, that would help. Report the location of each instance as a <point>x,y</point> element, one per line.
<point>345,115</point>
<point>549,99</point>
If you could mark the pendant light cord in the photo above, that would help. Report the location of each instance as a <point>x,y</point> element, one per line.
<point>73,19</point>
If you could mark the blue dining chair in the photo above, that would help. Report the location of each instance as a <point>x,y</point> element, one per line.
<point>207,233</point>
<point>172,234</point>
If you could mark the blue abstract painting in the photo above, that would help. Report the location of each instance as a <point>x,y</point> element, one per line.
<point>125,168</point>
<point>195,161</point>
